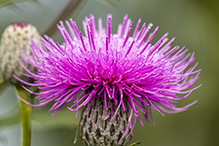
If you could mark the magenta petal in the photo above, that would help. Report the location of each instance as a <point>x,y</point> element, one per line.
<point>120,67</point>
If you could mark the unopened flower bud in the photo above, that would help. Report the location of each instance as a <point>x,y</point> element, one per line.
<point>15,42</point>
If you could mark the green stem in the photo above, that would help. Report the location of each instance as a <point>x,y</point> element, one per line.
<point>135,143</point>
<point>3,85</point>
<point>25,118</point>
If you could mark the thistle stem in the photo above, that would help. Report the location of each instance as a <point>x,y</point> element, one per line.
<point>25,118</point>
<point>135,143</point>
<point>3,85</point>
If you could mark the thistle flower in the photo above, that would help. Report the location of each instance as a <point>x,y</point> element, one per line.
<point>121,75</point>
<point>14,43</point>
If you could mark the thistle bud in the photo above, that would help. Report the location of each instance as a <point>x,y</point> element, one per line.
<point>15,42</point>
<point>100,127</point>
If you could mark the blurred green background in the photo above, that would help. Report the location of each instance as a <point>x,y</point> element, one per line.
<point>194,23</point>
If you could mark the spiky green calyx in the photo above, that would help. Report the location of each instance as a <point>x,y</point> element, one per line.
<point>99,127</point>
<point>15,41</point>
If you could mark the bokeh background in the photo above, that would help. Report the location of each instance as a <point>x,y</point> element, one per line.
<point>194,23</point>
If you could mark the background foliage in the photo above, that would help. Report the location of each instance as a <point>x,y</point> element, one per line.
<point>194,23</point>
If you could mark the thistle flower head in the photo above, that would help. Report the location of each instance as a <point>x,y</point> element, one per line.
<point>14,43</point>
<point>127,70</point>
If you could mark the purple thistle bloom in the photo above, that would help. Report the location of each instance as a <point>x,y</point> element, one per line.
<point>120,67</point>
